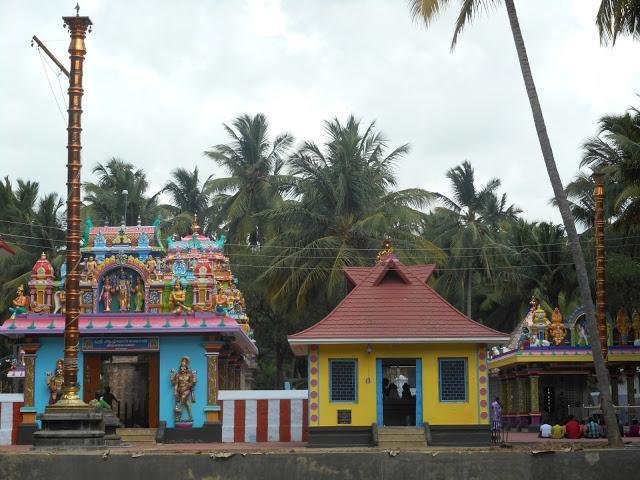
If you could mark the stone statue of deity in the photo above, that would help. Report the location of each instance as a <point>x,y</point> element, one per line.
<point>90,269</point>
<point>178,298</point>
<point>183,381</point>
<point>124,295</point>
<point>19,304</point>
<point>138,297</point>
<point>106,294</point>
<point>635,323</point>
<point>558,330</point>
<point>623,324</point>
<point>55,382</point>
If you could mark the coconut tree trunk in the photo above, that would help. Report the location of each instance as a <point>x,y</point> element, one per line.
<point>602,374</point>
<point>469,296</point>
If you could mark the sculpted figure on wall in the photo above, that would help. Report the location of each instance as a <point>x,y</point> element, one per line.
<point>183,381</point>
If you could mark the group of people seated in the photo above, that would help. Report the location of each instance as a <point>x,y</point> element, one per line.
<point>390,391</point>
<point>590,428</point>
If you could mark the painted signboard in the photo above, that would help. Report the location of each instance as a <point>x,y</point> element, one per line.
<point>120,344</point>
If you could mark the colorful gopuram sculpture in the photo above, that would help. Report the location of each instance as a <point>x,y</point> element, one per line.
<point>623,324</point>
<point>558,330</point>
<point>127,269</point>
<point>19,304</point>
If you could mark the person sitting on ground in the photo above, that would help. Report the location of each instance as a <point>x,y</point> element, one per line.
<point>109,397</point>
<point>393,392</point>
<point>98,402</point>
<point>557,431</point>
<point>634,430</point>
<point>602,428</point>
<point>583,428</point>
<point>545,430</point>
<point>406,392</point>
<point>572,428</point>
<point>593,431</point>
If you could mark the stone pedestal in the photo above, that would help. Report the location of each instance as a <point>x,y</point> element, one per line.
<point>79,428</point>
<point>111,424</point>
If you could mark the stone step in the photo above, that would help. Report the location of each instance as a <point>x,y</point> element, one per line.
<point>401,437</point>
<point>402,445</point>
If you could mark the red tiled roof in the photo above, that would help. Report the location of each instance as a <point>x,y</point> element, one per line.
<point>6,250</point>
<point>391,302</point>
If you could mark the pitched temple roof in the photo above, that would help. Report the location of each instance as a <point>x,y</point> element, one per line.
<point>391,303</point>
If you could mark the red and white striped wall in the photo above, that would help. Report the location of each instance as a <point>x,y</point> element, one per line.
<point>10,417</point>
<point>264,415</point>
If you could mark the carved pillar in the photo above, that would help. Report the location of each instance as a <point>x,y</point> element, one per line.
<point>534,412</point>
<point>522,395</point>
<point>508,398</point>
<point>212,352</point>
<point>28,410</point>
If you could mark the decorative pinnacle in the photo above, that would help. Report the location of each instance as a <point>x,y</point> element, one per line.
<point>77,9</point>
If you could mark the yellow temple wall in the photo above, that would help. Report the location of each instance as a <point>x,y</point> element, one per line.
<point>435,412</point>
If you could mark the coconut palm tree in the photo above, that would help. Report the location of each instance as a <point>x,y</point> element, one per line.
<point>106,199</point>
<point>616,152</point>
<point>189,196</point>
<point>256,181</point>
<point>618,17</point>
<point>427,10</point>
<point>470,225</point>
<point>344,208</point>
<point>33,226</point>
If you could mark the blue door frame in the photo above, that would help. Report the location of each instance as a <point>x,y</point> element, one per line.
<point>380,396</point>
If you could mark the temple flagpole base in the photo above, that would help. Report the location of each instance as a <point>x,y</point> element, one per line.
<point>65,427</point>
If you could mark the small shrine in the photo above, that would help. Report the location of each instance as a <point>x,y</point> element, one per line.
<point>163,328</point>
<point>545,371</point>
<point>394,353</point>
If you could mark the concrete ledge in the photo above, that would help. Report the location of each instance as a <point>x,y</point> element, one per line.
<point>316,465</point>
<point>208,433</point>
<point>459,435</point>
<point>340,437</point>
<point>25,433</point>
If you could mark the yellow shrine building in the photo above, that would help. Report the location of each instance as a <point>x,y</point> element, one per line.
<point>394,354</point>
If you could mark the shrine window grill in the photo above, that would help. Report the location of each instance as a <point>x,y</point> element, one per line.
<point>343,377</point>
<point>453,379</point>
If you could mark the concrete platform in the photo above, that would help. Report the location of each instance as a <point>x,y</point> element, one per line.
<point>289,461</point>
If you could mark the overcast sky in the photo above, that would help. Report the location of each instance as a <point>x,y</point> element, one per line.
<point>162,76</point>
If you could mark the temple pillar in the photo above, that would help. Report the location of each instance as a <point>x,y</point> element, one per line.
<point>212,409</point>
<point>630,373</point>
<point>534,411</point>
<point>28,410</point>
<point>614,386</point>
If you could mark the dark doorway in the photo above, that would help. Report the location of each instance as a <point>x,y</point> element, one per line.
<point>132,379</point>
<point>399,391</point>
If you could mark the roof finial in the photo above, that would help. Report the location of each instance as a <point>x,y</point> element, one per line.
<point>386,252</point>
<point>77,9</point>
<point>195,228</point>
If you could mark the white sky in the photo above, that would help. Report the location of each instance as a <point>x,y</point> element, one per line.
<point>162,76</point>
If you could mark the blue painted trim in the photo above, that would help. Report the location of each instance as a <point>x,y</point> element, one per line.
<point>379,394</point>
<point>354,361</point>
<point>466,379</point>
<point>212,408</point>
<point>28,410</point>
<point>418,392</point>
